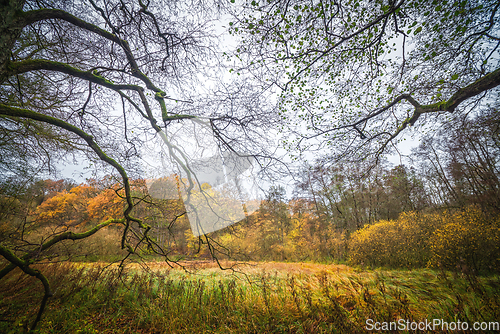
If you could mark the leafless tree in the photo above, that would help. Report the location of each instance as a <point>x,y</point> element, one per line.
<point>104,77</point>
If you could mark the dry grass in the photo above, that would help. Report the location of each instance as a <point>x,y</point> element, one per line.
<point>268,297</point>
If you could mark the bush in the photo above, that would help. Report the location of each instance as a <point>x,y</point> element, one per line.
<point>395,243</point>
<point>468,239</point>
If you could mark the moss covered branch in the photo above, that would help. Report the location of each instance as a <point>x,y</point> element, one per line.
<point>25,113</point>
<point>483,84</point>
<point>24,266</point>
<point>24,66</point>
<point>59,238</point>
<point>33,16</point>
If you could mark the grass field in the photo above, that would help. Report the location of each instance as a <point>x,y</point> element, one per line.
<point>249,298</point>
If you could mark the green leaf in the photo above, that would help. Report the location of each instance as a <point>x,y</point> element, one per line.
<point>454,76</point>
<point>419,29</point>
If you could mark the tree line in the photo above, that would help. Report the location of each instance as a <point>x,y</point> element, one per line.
<point>347,80</point>
<point>447,202</point>
<point>337,213</point>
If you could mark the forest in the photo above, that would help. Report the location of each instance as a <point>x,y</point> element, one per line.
<point>233,166</point>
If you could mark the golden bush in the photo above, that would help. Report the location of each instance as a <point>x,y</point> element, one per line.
<point>398,243</point>
<point>467,241</point>
<point>464,240</point>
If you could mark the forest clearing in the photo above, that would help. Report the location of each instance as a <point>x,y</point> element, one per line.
<point>270,297</point>
<point>249,166</point>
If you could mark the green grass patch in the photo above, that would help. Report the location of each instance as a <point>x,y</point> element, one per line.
<point>93,298</point>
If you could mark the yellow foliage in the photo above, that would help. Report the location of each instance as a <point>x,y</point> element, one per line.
<point>468,240</point>
<point>465,239</point>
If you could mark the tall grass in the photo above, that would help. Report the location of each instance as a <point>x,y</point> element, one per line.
<point>98,299</point>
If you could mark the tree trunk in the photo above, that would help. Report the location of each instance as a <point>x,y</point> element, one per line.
<point>10,30</point>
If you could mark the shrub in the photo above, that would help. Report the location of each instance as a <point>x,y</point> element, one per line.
<point>396,243</point>
<point>469,240</point>
<point>463,240</point>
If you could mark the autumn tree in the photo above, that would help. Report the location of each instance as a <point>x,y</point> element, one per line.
<point>273,223</point>
<point>356,76</point>
<point>167,214</point>
<point>104,78</point>
<point>460,164</point>
<point>405,191</point>
<point>346,198</point>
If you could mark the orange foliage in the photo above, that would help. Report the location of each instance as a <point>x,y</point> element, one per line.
<point>64,208</point>
<point>106,205</point>
<point>81,205</point>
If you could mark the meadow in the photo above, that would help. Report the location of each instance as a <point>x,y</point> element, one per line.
<point>254,297</point>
